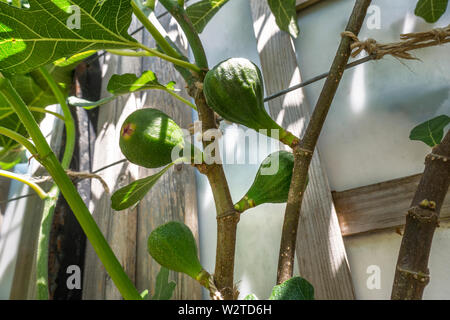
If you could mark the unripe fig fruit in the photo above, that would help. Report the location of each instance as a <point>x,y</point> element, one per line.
<point>235,90</point>
<point>173,246</point>
<point>269,188</point>
<point>148,136</point>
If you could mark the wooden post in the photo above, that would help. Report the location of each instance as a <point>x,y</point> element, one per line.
<point>320,249</point>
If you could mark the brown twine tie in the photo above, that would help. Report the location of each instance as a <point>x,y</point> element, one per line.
<point>409,42</point>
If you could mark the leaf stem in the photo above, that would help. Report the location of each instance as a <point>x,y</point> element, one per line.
<point>42,110</point>
<point>42,290</point>
<point>19,138</point>
<point>193,106</point>
<point>165,46</point>
<point>130,53</point>
<point>81,212</point>
<point>68,119</point>
<point>175,61</point>
<point>185,23</point>
<point>24,179</point>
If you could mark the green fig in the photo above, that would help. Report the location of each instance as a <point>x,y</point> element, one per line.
<point>269,188</point>
<point>173,246</point>
<point>148,136</point>
<point>234,89</point>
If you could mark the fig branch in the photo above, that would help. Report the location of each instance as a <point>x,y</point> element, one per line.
<point>227,216</point>
<point>304,150</point>
<point>412,274</point>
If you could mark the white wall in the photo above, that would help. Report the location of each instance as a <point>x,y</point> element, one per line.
<point>230,34</point>
<point>365,139</point>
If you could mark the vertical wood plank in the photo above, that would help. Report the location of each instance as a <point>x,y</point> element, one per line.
<point>320,249</point>
<point>174,196</point>
<point>119,228</point>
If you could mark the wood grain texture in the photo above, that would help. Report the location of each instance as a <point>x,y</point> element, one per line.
<point>303,4</point>
<point>172,198</point>
<point>379,206</point>
<point>119,228</point>
<point>320,249</point>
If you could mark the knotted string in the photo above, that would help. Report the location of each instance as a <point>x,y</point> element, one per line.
<point>410,41</point>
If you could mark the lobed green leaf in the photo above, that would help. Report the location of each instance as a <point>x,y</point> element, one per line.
<point>49,30</point>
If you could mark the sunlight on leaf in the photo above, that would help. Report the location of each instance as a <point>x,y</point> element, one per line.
<point>285,15</point>
<point>67,61</point>
<point>431,10</point>
<point>129,82</point>
<point>50,30</point>
<point>202,12</point>
<point>124,84</point>
<point>432,131</point>
<point>86,104</point>
<point>131,194</point>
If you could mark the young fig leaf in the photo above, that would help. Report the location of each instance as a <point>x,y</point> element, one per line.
<point>295,288</point>
<point>131,194</point>
<point>173,246</point>
<point>163,288</point>
<point>432,131</point>
<point>202,12</point>
<point>86,104</point>
<point>234,89</point>
<point>148,136</point>
<point>272,181</point>
<point>129,82</point>
<point>431,10</point>
<point>285,15</point>
<point>50,30</point>
<point>124,84</point>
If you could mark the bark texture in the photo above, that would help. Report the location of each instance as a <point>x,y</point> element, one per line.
<point>412,274</point>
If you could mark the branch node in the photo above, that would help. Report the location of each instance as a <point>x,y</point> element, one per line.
<point>422,277</point>
<point>229,214</point>
<point>434,156</point>
<point>424,212</point>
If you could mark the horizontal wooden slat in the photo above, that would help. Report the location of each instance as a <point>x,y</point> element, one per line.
<point>302,4</point>
<point>379,206</point>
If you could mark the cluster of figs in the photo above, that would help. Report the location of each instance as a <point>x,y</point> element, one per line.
<point>234,90</point>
